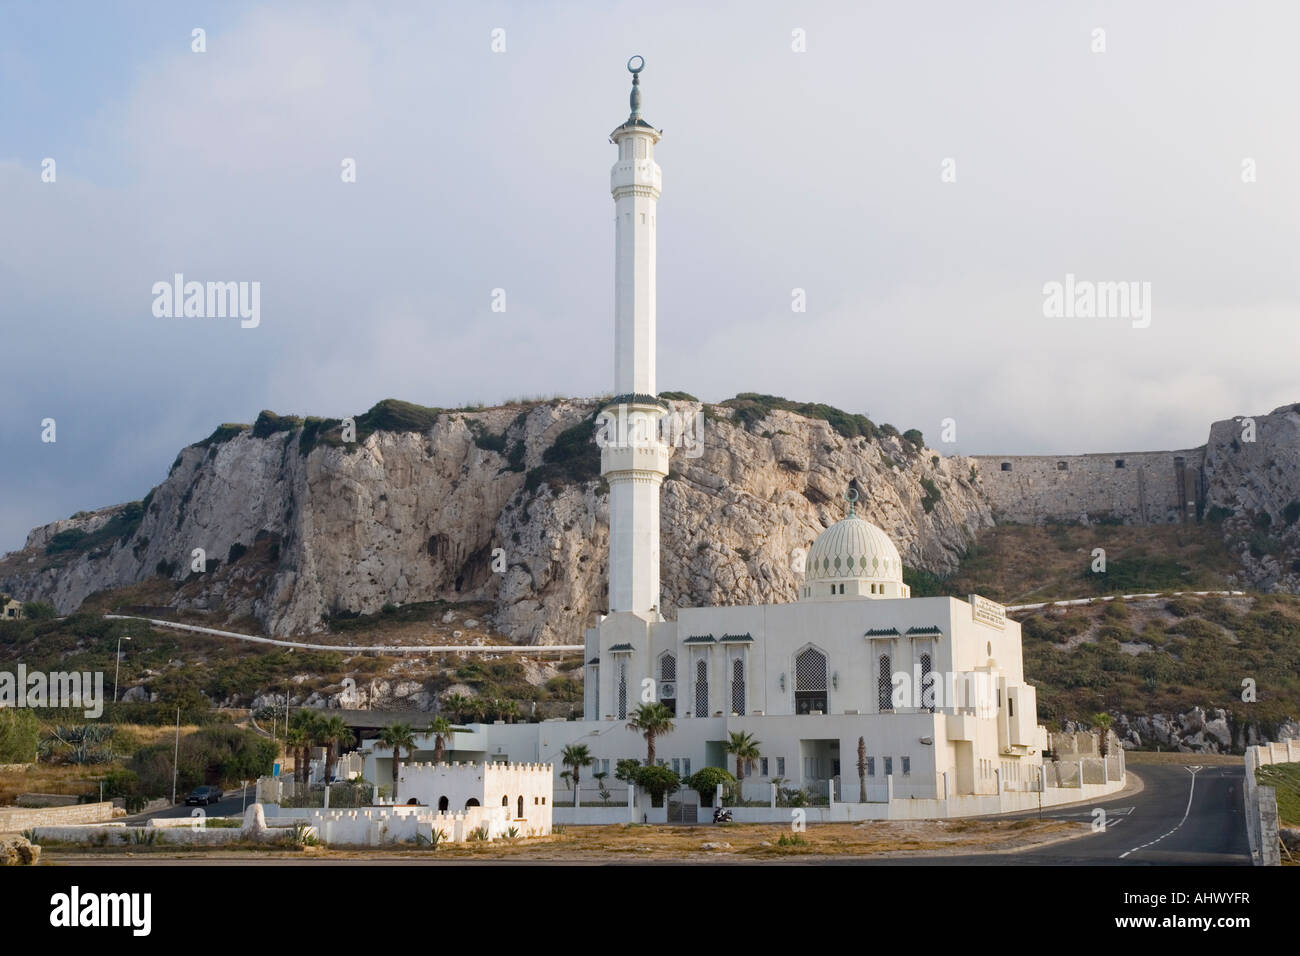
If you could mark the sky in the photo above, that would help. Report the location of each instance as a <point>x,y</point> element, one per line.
<point>921,171</point>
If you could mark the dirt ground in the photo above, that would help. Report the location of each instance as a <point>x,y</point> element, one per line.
<point>642,843</point>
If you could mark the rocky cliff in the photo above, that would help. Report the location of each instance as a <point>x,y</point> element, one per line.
<point>1252,476</point>
<point>298,523</point>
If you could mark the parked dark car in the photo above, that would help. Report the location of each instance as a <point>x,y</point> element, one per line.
<point>202,796</point>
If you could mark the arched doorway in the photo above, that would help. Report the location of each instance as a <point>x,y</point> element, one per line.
<point>442,804</point>
<point>521,807</point>
<point>809,681</point>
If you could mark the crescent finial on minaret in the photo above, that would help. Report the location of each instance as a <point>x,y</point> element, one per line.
<point>635,98</point>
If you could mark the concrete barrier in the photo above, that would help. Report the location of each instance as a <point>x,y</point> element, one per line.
<point>17,819</point>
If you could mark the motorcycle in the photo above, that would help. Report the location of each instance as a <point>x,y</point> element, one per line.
<point>721,815</point>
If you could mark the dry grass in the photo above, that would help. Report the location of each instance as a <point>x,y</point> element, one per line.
<point>1170,757</point>
<point>83,779</point>
<point>749,843</point>
<point>1017,564</point>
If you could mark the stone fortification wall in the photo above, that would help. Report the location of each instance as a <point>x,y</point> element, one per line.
<point>1135,487</point>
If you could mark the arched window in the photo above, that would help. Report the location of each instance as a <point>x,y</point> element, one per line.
<point>505,801</point>
<point>668,681</point>
<point>442,804</point>
<point>738,686</point>
<point>520,814</point>
<point>809,681</point>
<point>927,683</point>
<point>701,688</point>
<point>884,685</point>
<point>622,691</point>
<point>471,802</point>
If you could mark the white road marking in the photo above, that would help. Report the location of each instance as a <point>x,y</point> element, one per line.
<point>1190,794</point>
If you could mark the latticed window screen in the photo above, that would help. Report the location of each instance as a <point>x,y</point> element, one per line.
<point>885,684</point>
<point>701,688</point>
<point>810,670</point>
<point>927,682</point>
<point>738,685</point>
<point>595,689</point>
<point>622,691</point>
<point>809,681</point>
<point>668,667</point>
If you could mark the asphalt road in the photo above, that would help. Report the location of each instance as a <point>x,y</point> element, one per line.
<point>1179,818</point>
<point>227,807</point>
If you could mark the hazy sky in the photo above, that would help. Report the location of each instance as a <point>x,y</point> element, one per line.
<point>476,170</point>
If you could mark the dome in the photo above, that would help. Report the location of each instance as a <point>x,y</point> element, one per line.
<point>854,548</point>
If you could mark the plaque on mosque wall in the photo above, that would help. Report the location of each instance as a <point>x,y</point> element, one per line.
<point>988,612</point>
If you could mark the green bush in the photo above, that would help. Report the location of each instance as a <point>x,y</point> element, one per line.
<point>20,732</point>
<point>705,782</point>
<point>39,611</point>
<point>751,407</point>
<point>657,781</point>
<point>220,755</point>
<point>932,494</point>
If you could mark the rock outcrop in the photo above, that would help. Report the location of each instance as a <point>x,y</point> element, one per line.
<point>502,505</point>
<point>1252,476</point>
<point>1197,731</point>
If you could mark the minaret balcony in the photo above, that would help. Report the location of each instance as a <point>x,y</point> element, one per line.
<point>650,457</point>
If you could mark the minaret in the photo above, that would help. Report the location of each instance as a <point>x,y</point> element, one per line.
<point>634,461</point>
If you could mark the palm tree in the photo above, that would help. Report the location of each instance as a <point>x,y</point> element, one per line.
<point>334,733</point>
<point>397,737</point>
<point>599,777</point>
<point>1102,722</point>
<point>576,756</point>
<point>307,727</point>
<point>862,770</point>
<point>441,730</point>
<point>650,721</point>
<point>745,749</point>
<point>297,741</point>
<point>457,704</point>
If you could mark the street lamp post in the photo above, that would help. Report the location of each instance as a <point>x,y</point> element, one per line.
<point>117,664</point>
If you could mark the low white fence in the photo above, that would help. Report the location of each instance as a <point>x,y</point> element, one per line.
<point>1261,802</point>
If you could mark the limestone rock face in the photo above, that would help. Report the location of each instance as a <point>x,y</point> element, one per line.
<point>17,850</point>
<point>1196,731</point>
<point>294,532</point>
<point>1255,487</point>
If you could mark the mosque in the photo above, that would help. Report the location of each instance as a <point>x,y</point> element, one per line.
<point>932,687</point>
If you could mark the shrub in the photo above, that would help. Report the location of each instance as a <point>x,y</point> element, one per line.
<point>39,611</point>
<point>932,494</point>
<point>657,781</point>
<point>751,407</point>
<point>20,732</point>
<point>705,782</point>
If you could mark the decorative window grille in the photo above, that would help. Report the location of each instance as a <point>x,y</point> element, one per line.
<point>885,685</point>
<point>927,682</point>
<point>701,688</point>
<point>595,691</point>
<point>738,685</point>
<point>762,766</point>
<point>871,766</point>
<point>622,691</point>
<point>667,692</point>
<point>810,681</point>
<point>889,766</point>
<point>907,765</point>
<point>668,667</point>
<point>780,766</point>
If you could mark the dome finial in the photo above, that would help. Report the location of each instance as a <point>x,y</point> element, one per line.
<point>851,496</point>
<point>635,98</point>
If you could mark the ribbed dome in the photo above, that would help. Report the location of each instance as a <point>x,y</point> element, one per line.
<point>853,548</point>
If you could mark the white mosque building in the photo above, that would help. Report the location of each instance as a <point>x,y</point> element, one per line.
<point>933,687</point>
